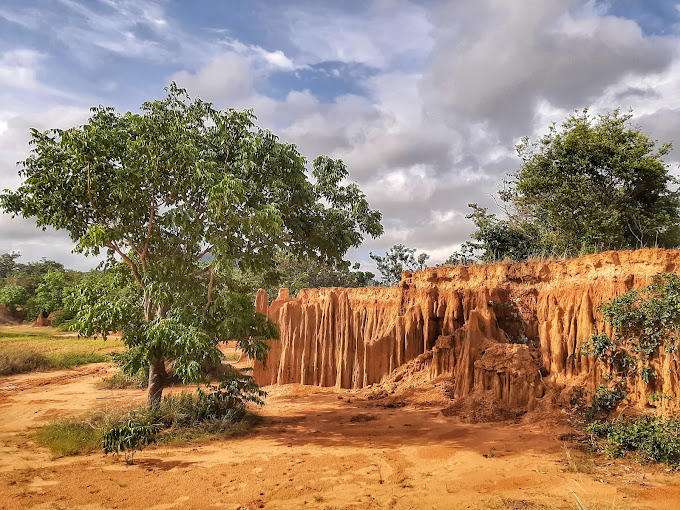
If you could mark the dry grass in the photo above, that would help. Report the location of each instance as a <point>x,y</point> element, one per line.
<point>26,349</point>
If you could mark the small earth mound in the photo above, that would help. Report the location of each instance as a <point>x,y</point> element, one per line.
<point>480,408</point>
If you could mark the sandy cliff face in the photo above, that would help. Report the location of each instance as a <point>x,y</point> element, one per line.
<point>509,329</point>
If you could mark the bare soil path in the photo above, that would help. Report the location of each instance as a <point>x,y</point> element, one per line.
<point>317,448</point>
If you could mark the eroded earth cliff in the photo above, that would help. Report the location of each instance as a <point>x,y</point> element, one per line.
<point>512,330</point>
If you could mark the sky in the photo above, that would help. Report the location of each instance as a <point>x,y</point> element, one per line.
<point>423,100</point>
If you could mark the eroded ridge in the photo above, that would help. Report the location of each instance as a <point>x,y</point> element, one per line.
<point>511,329</point>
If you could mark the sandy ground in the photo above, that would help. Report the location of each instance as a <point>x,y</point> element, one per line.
<point>317,448</point>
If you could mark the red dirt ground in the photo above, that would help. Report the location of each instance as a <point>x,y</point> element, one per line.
<point>317,448</point>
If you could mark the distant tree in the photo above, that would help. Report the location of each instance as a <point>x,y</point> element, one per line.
<point>595,183</point>
<point>295,274</point>
<point>13,296</point>
<point>7,263</point>
<point>185,195</point>
<point>50,293</point>
<point>399,258</point>
<point>496,239</point>
<point>464,257</point>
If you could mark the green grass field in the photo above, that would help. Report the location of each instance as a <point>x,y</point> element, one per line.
<point>26,349</point>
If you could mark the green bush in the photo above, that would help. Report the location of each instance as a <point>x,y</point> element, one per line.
<point>644,321</point>
<point>128,438</point>
<point>604,401</point>
<point>651,438</point>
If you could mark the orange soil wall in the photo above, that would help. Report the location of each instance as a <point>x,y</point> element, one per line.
<point>466,315</point>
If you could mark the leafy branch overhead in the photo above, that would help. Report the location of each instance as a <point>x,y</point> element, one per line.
<point>185,196</point>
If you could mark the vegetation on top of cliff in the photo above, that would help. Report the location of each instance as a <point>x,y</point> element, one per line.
<point>295,274</point>
<point>595,183</point>
<point>184,195</point>
<point>398,259</point>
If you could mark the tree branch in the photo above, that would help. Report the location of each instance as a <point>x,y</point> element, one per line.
<point>135,271</point>
<point>210,287</point>
<point>145,250</point>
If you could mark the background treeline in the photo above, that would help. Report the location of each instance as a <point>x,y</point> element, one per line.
<point>46,287</point>
<point>35,288</point>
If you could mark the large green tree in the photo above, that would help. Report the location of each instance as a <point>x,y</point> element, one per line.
<point>596,182</point>
<point>185,195</point>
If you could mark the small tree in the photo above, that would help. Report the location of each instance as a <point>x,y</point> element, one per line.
<point>497,239</point>
<point>595,183</point>
<point>13,296</point>
<point>185,196</point>
<point>399,258</point>
<point>49,296</point>
<point>7,263</point>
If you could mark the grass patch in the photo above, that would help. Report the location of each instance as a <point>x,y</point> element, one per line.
<point>232,356</point>
<point>25,349</point>
<point>120,381</point>
<point>69,438</point>
<point>179,419</point>
<point>23,361</point>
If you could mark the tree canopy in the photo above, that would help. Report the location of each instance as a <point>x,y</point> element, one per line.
<point>185,195</point>
<point>595,183</point>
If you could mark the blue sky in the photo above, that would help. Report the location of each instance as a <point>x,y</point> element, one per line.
<point>424,101</point>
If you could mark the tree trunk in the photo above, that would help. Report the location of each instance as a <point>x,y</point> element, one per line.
<point>157,378</point>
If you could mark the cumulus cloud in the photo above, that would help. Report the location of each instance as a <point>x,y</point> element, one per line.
<point>226,78</point>
<point>377,34</point>
<point>501,59</point>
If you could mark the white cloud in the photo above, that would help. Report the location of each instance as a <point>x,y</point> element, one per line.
<point>503,58</point>
<point>227,78</point>
<point>18,68</point>
<point>375,34</point>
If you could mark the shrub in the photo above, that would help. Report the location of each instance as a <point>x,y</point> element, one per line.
<point>600,404</point>
<point>650,437</point>
<point>644,321</point>
<point>69,438</point>
<point>604,401</point>
<point>128,438</point>
<point>218,412</point>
